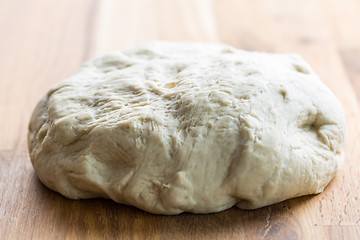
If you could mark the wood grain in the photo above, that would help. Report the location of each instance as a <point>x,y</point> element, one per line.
<point>43,42</point>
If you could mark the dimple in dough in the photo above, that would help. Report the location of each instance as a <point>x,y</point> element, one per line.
<point>196,127</point>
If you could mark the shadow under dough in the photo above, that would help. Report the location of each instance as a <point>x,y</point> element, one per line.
<point>106,219</point>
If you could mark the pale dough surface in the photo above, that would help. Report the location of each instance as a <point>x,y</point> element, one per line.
<point>196,127</point>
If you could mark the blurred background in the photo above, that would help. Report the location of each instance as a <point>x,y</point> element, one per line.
<point>44,41</point>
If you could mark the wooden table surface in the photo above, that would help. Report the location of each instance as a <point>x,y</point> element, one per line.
<point>43,41</point>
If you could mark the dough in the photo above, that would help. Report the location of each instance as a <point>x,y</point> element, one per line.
<point>196,127</point>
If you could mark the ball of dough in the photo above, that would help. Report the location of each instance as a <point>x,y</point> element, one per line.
<point>196,127</point>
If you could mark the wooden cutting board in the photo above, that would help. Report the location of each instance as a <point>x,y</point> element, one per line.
<point>42,42</point>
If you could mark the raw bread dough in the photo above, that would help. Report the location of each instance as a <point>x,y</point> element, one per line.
<point>196,127</point>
